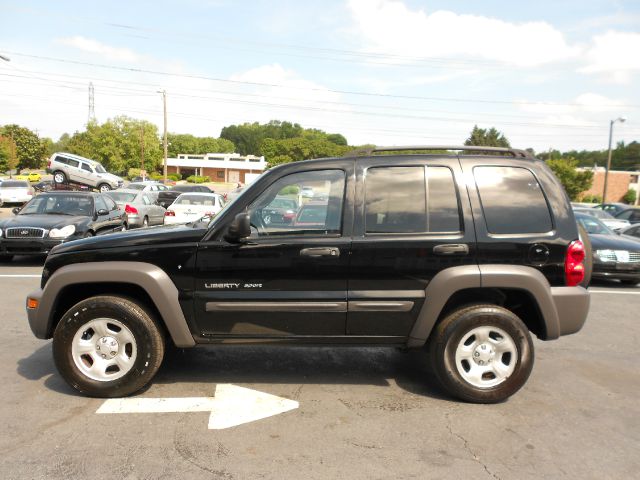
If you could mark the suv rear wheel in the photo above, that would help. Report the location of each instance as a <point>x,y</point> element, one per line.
<point>481,353</point>
<point>104,187</point>
<point>107,347</point>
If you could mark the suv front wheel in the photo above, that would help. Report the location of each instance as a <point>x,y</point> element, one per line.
<point>107,346</point>
<point>59,177</point>
<point>481,353</point>
<point>104,187</point>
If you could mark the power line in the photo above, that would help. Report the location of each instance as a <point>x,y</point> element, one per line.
<point>317,89</point>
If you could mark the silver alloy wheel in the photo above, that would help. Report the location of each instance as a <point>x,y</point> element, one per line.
<point>59,177</point>
<point>486,356</point>
<point>104,188</point>
<point>104,349</point>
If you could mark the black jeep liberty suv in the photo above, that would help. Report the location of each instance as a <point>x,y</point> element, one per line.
<point>462,253</point>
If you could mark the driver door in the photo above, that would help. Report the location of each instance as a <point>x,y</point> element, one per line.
<point>287,279</point>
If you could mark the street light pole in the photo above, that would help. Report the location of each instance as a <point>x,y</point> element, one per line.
<point>164,141</point>
<point>606,172</point>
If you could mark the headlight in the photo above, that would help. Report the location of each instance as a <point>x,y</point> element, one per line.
<point>63,232</point>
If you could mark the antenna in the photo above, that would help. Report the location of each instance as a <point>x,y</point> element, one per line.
<point>92,110</point>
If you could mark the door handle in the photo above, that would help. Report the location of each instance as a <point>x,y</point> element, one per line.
<point>320,252</point>
<point>451,249</point>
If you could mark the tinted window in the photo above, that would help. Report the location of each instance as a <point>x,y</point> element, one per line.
<point>135,186</point>
<point>73,163</point>
<point>312,217</point>
<point>411,200</point>
<point>60,159</point>
<point>86,167</point>
<point>14,184</point>
<point>512,200</point>
<point>186,199</point>
<point>111,205</point>
<point>122,197</point>
<point>146,200</point>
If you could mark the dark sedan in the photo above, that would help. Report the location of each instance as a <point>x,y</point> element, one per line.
<point>614,256</point>
<point>632,215</point>
<point>55,217</point>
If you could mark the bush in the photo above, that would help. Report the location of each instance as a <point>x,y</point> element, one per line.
<point>591,199</point>
<point>290,190</point>
<point>630,197</point>
<point>174,176</point>
<point>132,173</point>
<point>197,179</point>
<point>155,176</point>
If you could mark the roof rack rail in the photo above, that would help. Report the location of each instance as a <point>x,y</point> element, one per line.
<point>513,151</point>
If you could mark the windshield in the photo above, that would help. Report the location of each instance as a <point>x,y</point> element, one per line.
<point>99,168</point>
<point>136,186</point>
<point>122,197</point>
<point>57,204</point>
<point>593,225</point>
<point>205,200</point>
<point>596,212</point>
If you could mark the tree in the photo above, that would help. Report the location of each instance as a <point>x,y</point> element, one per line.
<point>487,138</point>
<point>299,148</point>
<point>630,197</point>
<point>117,144</point>
<point>186,143</point>
<point>8,157</point>
<point>29,150</point>
<point>573,181</point>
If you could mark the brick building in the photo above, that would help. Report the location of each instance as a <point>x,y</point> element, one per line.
<point>618,184</point>
<point>219,167</point>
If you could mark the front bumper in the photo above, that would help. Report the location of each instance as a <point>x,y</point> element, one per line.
<point>572,305</point>
<point>31,246</point>
<point>38,323</point>
<point>616,271</point>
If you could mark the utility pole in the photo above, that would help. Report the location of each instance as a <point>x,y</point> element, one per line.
<point>142,150</point>
<point>606,172</point>
<point>164,141</point>
<point>92,110</point>
<point>13,163</point>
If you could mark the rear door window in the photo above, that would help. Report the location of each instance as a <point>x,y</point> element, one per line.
<point>512,200</point>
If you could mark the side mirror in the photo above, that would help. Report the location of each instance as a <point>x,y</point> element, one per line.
<point>16,210</point>
<point>239,229</point>
<point>102,212</point>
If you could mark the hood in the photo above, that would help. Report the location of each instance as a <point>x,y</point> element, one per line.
<point>614,242</point>
<point>145,237</point>
<point>110,176</point>
<point>42,221</point>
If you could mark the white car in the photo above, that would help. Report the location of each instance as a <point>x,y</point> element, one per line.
<point>189,207</point>
<point>307,192</point>
<point>15,191</point>
<point>613,223</point>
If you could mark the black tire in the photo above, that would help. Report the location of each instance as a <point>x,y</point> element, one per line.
<point>59,177</point>
<point>104,187</point>
<point>629,282</point>
<point>145,222</point>
<point>89,234</point>
<point>147,334</point>
<point>588,256</point>
<point>6,258</point>
<point>447,335</point>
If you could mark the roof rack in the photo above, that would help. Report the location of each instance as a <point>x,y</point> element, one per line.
<point>513,151</point>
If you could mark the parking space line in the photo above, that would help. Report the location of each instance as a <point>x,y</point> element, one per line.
<point>19,276</point>
<point>615,292</point>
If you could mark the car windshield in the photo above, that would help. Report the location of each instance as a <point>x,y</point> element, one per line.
<point>136,186</point>
<point>185,188</point>
<point>122,197</point>
<point>595,212</point>
<point>99,168</point>
<point>48,204</point>
<point>14,184</point>
<point>204,200</point>
<point>593,225</point>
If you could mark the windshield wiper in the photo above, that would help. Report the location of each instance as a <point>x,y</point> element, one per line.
<point>59,213</point>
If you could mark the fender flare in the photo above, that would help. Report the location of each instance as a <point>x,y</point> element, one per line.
<point>151,278</point>
<point>449,281</point>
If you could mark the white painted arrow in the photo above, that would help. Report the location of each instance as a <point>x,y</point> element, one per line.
<point>231,406</point>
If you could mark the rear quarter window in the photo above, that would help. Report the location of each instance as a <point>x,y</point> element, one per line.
<point>512,200</point>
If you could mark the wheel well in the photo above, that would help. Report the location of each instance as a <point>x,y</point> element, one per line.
<point>72,294</point>
<point>520,302</point>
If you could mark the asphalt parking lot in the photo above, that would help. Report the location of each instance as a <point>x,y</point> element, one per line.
<point>361,413</point>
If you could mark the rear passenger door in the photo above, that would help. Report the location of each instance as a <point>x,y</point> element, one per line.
<point>414,221</point>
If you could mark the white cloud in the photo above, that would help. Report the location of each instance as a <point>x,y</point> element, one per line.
<point>585,103</point>
<point>390,27</point>
<point>614,55</point>
<point>94,46</point>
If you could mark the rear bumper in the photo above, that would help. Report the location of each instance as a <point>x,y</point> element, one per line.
<point>572,305</point>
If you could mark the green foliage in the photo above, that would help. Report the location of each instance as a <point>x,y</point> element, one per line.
<point>133,172</point>
<point>174,176</point>
<point>591,198</point>
<point>186,143</point>
<point>487,138</point>
<point>198,179</point>
<point>289,190</point>
<point>248,137</point>
<point>573,181</point>
<point>300,148</point>
<point>630,197</point>
<point>8,159</point>
<point>29,150</point>
<point>117,144</point>
<point>623,157</point>
<point>337,139</point>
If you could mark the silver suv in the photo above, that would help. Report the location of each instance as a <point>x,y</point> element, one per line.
<point>67,167</point>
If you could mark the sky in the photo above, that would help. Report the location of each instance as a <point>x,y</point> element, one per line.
<point>548,74</point>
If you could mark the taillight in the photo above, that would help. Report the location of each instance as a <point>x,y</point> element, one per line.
<point>574,264</point>
<point>129,209</point>
<point>49,164</point>
<point>169,213</point>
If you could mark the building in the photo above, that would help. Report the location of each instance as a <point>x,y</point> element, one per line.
<point>618,184</point>
<point>219,167</point>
